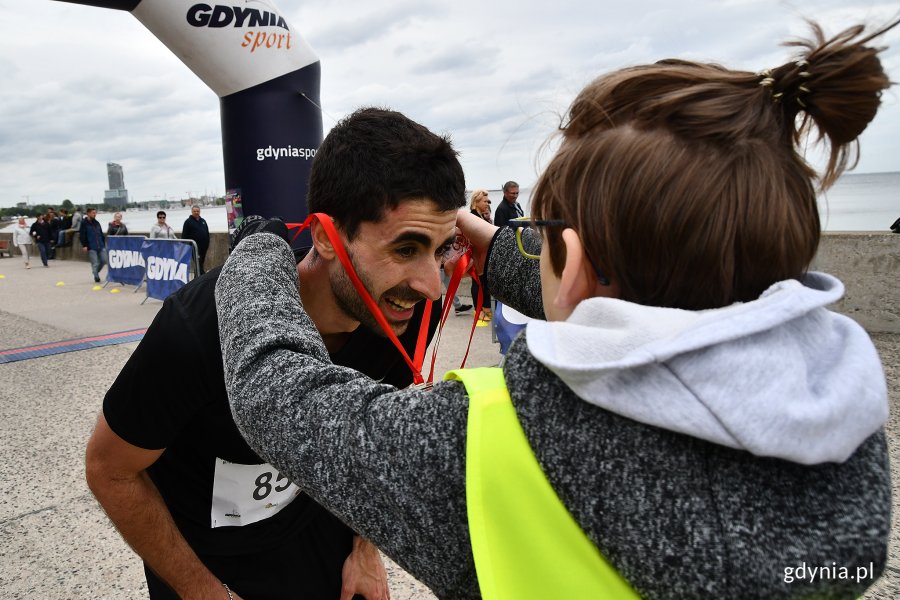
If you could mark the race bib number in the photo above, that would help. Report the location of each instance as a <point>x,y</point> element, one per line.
<point>245,494</point>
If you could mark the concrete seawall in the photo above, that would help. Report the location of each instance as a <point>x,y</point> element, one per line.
<point>867,262</point>
<point>869,266</point>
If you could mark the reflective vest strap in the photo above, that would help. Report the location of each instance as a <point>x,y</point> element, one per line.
<point>525,543</point>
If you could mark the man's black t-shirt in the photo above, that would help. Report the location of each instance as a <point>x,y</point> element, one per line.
<point>171,394</point>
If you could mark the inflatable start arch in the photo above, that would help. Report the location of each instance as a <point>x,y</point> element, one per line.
<point>267,79</point>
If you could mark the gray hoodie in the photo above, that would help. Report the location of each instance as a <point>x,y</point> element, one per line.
<point>709,454</point>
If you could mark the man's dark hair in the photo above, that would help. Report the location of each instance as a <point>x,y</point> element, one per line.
<point>161,213</point>
<point>373,160</point>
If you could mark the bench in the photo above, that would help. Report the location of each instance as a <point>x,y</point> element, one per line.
<point>4,247</point>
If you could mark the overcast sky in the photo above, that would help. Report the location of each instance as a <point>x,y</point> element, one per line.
<point>82,85</point>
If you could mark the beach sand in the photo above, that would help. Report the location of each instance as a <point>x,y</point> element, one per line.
<point>55,541</point>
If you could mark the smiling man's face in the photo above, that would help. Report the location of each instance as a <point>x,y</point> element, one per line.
<point>398,259</point>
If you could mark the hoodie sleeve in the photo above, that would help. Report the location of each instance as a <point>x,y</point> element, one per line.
<point>513,279</point>
<point>389,463</point>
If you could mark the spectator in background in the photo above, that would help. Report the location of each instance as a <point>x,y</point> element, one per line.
<point>480,206</point>
<point>22,239</point>
<point>65,223</point>
<point>116,226</point>
<point>195,228</point>
<point>161,229</point>
<point>509,208</point>
<point>76,219</point>
<point>55,223</point>
<point>40,231</point>
<point>93,242</point>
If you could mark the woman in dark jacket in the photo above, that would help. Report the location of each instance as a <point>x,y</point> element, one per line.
<point>116,226</point>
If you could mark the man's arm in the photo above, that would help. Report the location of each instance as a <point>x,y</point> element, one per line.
<point>116,474</point>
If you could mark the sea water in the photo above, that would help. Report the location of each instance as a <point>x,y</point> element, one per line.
<point>856,202</point>
<point>861,202</point>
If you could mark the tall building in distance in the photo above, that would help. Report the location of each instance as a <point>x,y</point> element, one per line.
<point>116,195</point>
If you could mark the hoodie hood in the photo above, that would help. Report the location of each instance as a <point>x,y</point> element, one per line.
<point>780,376</point>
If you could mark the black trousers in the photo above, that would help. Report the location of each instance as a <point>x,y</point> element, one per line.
<point>308,566</point>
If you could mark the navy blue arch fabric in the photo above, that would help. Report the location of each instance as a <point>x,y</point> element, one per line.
<point>270,133</point>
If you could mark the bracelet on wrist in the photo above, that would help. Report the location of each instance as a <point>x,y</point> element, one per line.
<point>228,591</point>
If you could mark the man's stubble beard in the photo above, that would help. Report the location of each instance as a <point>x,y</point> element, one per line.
<point>351,304</point>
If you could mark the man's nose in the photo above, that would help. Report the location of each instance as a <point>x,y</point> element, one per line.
<point>427,279</point>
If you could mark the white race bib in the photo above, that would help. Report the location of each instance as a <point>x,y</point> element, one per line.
<point>244,494</point>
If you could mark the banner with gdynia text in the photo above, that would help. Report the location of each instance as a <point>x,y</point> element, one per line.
<point>267,79</point>
<point>168,263</point>
<point>125,261</point>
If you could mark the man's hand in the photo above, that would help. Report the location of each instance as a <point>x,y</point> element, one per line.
<point>84,248</point>
<point>364,573</point>
<point>255,224</point>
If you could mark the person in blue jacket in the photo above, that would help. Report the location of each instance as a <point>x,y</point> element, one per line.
<point>93,242</point>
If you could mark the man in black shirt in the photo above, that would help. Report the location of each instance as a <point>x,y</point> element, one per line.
<point>509,207</point>
<point>166,460</point>
<point>195,228</point>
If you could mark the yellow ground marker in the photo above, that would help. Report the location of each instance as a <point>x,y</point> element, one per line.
<point>114,291</point>
<point>60,283</point>
<point>97,287</point>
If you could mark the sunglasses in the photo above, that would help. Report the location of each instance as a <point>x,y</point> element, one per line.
<point>520,223</point>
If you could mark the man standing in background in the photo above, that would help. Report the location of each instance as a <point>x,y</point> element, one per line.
<point>195,228</point>
<point>510,207</point>
<point>93,242</point>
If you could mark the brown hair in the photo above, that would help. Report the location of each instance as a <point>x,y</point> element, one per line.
<point>684,181</point>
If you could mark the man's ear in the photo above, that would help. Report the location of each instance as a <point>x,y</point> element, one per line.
<point>578,281</point>
<point>320,240</point>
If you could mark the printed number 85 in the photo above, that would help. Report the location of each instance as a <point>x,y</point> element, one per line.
<point>264,485</point>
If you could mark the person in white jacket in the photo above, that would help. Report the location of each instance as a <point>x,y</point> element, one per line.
<point>22,239</point>
<point>161,229</point>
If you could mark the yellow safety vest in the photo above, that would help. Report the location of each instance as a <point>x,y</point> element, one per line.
<point>525,543</point>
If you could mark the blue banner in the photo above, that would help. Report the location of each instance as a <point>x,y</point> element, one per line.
<point>168,266</point>
<point>126,263</point>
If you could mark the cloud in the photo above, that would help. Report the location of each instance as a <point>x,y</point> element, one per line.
<point>83,85</point>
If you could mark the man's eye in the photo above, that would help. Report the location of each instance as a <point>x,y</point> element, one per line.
<point>444,250</point>
<point>406,251</point>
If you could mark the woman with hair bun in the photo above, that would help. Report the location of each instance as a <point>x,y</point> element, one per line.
<point>706,427</point>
